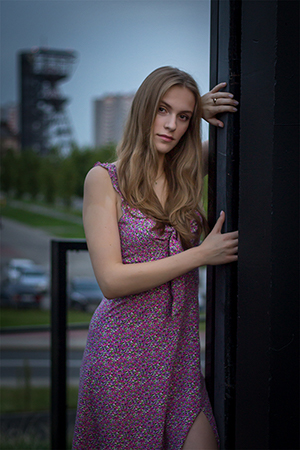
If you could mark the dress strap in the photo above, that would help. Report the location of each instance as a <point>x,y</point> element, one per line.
<point>112,171</point>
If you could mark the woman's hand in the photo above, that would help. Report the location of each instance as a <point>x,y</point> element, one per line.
<point>220,248</point>
<point>217,102</point>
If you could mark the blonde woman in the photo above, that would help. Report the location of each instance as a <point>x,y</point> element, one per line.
<point>141,386</point>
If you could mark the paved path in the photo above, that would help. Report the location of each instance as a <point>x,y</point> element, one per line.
<point>41,340</point>
<point>33,349</point>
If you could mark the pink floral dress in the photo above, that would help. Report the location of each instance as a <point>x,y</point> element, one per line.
<point>141,386</point>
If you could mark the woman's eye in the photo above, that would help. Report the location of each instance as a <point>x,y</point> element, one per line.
<point>162,109</point>
<point>184,117</point>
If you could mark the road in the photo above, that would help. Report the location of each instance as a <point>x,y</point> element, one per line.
<point>26,356</point>
<point>22,241</point>
<point>32,367</point>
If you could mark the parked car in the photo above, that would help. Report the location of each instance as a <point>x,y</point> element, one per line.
<point>84,292</point>
<point>15,266</point>
<point>36,277</point>
<point>18,295</point>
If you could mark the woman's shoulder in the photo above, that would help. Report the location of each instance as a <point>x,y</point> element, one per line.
<point>102,177</point>
<point>97,177</point>
<point>102,170</point>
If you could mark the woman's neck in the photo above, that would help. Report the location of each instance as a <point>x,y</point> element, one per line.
<point>160,169</point>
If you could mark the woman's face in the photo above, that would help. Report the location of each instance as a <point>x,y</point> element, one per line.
<point>173,117</point>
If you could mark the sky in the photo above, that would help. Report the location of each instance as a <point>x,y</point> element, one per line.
<point>118,42</point>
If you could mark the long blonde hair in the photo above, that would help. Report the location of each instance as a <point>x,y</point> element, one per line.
<point>138,159</point>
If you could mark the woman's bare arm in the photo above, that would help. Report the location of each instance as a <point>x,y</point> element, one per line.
<point>116,279</point>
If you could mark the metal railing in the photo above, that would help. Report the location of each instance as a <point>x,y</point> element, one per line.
<point>59,249</point>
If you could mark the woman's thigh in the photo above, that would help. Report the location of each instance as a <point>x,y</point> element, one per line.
<point>201,435</point>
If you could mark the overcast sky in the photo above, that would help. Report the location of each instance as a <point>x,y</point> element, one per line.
<point>118,44</point>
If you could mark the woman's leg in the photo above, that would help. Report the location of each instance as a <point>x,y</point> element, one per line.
<point>201,435</point>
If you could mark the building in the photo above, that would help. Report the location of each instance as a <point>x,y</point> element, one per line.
<point>110,113</point>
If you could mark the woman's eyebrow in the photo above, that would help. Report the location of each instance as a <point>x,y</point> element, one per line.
<point>170,107</point>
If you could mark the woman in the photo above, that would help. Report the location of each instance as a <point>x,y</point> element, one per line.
<point>141,385</point>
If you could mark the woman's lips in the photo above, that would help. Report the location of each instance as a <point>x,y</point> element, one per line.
<point>166,138</point>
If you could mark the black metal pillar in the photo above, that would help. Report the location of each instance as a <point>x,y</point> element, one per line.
<point>267,371</point>
<point>252,364</point>
<point>223,188</point>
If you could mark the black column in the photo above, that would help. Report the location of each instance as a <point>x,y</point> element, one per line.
<point>223,192</point>
<point>267,371</point>
<point>252,361</point>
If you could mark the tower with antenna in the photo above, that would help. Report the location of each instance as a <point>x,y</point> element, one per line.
<point>43,116</point>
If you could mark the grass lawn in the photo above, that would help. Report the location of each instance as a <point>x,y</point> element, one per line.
<point>29,398</point>
<point>52,225</point>
<point>10,317</point>
<point>202,325</point>
<point>16,440</point>
<point>64,209</point>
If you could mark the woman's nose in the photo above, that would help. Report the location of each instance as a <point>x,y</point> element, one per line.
<point>171,122</point>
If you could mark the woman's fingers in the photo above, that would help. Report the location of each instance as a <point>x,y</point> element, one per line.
<point>233,235</point>
<point>222,98</point>
<point>219,223</point>
<point>217,102</point>
<point>215,122</point>
<point>218,87</point>
<point>221,248</point>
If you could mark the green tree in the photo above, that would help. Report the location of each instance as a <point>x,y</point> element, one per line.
<point>84,159</point>
<point>67,181</point>
<point>20,187</point>
<point>30,168</point>
<point>48,180</point>
<point>8,179</point>
<point>49,174</point>
<point>107,153</point>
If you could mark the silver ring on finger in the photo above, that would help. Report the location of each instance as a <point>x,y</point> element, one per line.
<point>214,100</point>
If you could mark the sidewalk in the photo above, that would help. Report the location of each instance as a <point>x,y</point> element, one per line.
<point>41,340</point>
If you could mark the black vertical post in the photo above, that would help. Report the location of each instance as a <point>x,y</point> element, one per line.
<point>58,347</point>
<point>253,370</point>
<point>210,294</point>
<point>223,192</point>
<point>267,376</point>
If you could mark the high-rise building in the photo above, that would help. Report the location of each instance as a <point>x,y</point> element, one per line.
<point>110,113</point>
